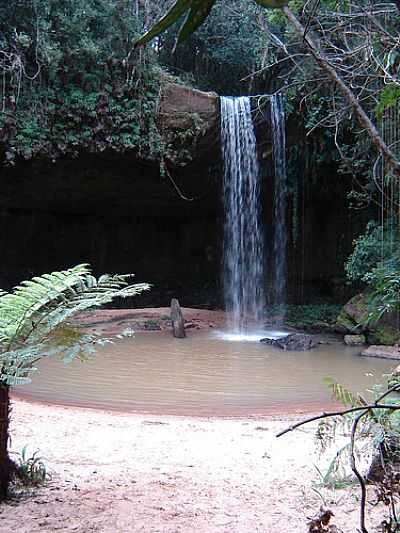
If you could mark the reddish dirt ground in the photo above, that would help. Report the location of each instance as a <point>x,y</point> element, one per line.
<point>122,473</point>
<point>113,321</point>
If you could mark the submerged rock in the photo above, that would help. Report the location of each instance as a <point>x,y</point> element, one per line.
<point>295,342</point>
<point>354,340</point>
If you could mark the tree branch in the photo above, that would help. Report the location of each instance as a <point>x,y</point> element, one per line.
<point>312,44</point>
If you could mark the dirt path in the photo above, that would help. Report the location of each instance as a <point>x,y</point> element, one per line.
<point>122,473</point>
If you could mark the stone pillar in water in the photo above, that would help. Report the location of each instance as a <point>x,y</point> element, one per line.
<point>243,262</point>
<point>178,323</point>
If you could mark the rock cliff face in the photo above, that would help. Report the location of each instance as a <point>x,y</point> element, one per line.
<point>189,122</point>
<point>110,182</point>
<point>178,103</point>
<point>122,214</point>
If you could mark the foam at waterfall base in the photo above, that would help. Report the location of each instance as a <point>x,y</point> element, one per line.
<point>251,336</point>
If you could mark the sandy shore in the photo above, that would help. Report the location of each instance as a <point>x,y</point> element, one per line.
<point>139,473</point>
<point>113,321</point>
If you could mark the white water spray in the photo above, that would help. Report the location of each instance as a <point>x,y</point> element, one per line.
<point>243,268</point>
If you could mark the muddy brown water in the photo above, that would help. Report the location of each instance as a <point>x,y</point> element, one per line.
<point>202,375</point>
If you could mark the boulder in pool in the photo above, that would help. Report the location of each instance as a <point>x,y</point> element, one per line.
<point>384,352</point>
<point>295,342</point>
<point>354,340</point>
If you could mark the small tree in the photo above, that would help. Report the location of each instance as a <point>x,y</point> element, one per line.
<point>35,323</point>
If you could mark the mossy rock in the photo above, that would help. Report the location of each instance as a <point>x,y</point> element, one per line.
<point>357,308</point>
<point>345,321</point>
<point>354,314</point>
<point>354,317</point>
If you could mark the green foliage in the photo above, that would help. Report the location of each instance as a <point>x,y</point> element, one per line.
<point>385,335</point>
<point>210,58</point>
<point>198,11</point>
<point>375,261</point>
<point>272,3</point>
<point>30,469</point>
<point>79,120</point>
<point>375,428</point>
<point>71,83</point>
<point>374,431</point>
<point>347,322</point>
<point>34,318</point>
<point>179,143</point>
<point>343,395</point>
<point>336,476</point>
<point>384,283</point>
<point>387,98</point>
<point>172,16</point>
<point>305,316</point>
<point>370,248</point>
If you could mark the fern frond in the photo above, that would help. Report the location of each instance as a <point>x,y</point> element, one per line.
<point>343,395</point>
<point>18,309</point>
<point>13,380</point>
<point>33,314</point>
<point>335,475</point>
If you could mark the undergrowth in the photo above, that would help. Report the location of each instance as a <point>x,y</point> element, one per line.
<point>30,471</point>
<point>305,316</point>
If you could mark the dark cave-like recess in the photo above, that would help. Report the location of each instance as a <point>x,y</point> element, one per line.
<point>120,215</point>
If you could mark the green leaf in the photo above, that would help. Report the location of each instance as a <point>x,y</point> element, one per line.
<point>342,394</point>
<point>174,14</point>
<point>387,98</point>
<point>198,13</point>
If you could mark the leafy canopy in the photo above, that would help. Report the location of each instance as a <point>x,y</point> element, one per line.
<point>197,12</point>
<point>34,318</point>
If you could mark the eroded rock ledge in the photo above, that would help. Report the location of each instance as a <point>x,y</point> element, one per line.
<point>189,122</point>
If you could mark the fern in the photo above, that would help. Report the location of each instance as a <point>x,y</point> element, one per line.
<point>336,476</point>
<point>343,395</point>
<point>34,318</point>
<point>18,309</point>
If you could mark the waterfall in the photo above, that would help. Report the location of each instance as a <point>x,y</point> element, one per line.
<point>280,236</point>
<point>243,278</point>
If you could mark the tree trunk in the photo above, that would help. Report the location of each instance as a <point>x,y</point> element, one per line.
<point>312,44</point>
<point>5,462</point>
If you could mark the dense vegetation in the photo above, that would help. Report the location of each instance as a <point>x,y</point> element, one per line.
<point>70,82</point>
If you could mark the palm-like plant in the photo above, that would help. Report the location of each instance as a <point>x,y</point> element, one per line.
<point>35,323</point>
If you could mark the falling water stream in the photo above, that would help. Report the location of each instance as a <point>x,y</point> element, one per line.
<point>243,265</point>
<point>243,239</point>
<point>280,235</point>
